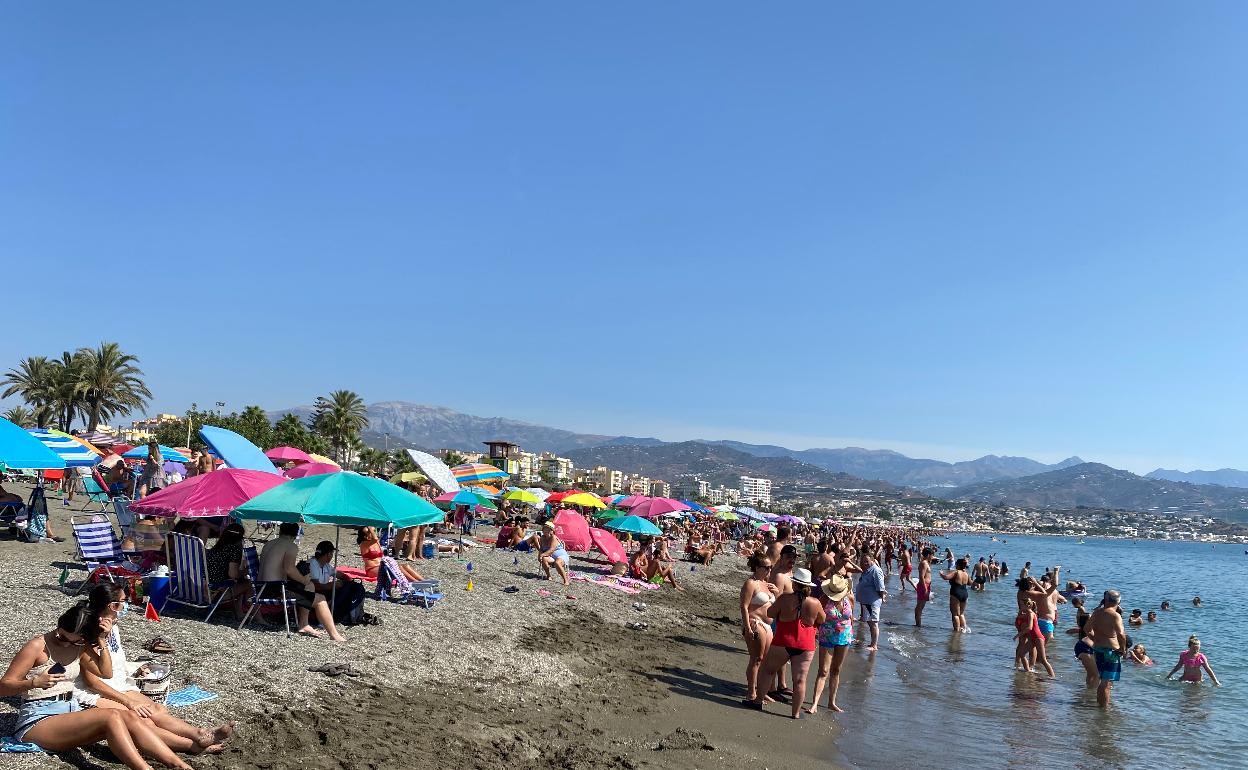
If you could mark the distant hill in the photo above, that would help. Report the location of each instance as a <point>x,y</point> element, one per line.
<point>722,465</point>
<point>1099,486</point>
<point>899,469</point>
<point>1226,477</point>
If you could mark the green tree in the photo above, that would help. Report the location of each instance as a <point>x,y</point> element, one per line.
<point>375,460</point>
<point>34,381</point>
<point>340,417</point>
<point>253,424</point>
<point>21,417</point>
<point>402,462</point>
<point>453,458</point>
<point>109,382</point>
<point>66,401</point>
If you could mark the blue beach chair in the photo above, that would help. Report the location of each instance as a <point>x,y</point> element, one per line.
<point>190,577</point>
<point>99,549</point>
<point>252,561</point>
<point>95,494</point>
<point>393,585</point>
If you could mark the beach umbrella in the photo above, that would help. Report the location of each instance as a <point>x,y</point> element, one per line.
<point>166,454</point>
<point>236,451</point>
<point>606,513</point>
<point>633,524</point>
<point>207,495</point>
<point>538,492</point>
<point>695,506</point>
<point>345,499</point>
<point>656,506</point>
<point>322,459</point>
<point>609,544</point>
<point>573,530</point>
<point>19,449</point>
<point>762,526</point>
<point>174,467</point>
<point>522,496</point>
<point>473,472</point>
<point>312,469</point>
<point>409,477</point>
<point>75,453</point>
<point>584,499</point>
<point>727,516</point>
<point>614,499</point>
<point>751,514</point>
<point>485,490</point>
<point>630,500</point>
<point>465,497</point>
<point>435,469</point>
<point>98,438</point>
<point>288,454</point>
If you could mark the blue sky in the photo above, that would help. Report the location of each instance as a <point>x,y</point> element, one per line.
<point>944,229</point>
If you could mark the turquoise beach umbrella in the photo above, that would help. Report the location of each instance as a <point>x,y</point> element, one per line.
<point>344,499</point>
<point>19,449</point>
<point>634,524</point>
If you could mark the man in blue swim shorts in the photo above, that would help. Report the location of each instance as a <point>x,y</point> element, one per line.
<point>1109,639</point>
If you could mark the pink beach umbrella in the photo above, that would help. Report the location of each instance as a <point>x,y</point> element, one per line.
<point>207,495</point>
<point>630,501</point>
<point>287,454</point>
<point>312,469</point>
<point>573,530</point>
<point>609,544</point>
<point>656,506</point>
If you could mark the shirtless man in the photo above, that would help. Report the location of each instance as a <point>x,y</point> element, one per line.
<point>923,588</point>
<point>979,576</point>
<point>1109,642</point>
<point>782,572</point>
<point>277,565</point>
<point>822,564</point>
<point>776,546</point>
<point>903,563</point>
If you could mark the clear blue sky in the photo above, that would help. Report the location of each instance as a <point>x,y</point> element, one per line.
<point>945,229</point>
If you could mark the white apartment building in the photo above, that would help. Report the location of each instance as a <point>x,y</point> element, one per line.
<point>659,488</point>
<point>636,485</point>
<point>558,468</point>
<point>691,487</point>
<point>756,491</point>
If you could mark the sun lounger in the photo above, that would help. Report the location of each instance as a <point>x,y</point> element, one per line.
<point>393,585</point>
<point>190,579</point>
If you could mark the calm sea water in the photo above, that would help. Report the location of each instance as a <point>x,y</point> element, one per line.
<point>934,698</point>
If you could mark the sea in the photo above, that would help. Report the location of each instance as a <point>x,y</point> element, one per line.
<point>933,698</point>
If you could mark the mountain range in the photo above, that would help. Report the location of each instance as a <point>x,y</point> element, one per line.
<point>1226,477</point>
<point>1094,485</point>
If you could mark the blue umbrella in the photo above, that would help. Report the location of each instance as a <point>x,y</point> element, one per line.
<point>696,506</point>
<point>19,449</point>
<point>166,454</point>
<point>634,524</point>
<point>236,451</point>
<point>750,513</point>
<point>73,452</point>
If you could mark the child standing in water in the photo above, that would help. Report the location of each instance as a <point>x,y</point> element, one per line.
<point>1193,662</point>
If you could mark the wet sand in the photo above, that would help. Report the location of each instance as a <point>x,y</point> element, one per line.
<point>485,679</point>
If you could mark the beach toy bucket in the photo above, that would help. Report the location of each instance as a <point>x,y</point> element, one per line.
<point>427,551</point>
<point>158,591</point>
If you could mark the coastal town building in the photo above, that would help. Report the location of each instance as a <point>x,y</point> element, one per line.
<point>557,469</point>
<point>143,430</point>
<point>660,488</point>
<point>635,484</point>
<point>689,487</point>
<point>756,491</point>
<point>606,480</point>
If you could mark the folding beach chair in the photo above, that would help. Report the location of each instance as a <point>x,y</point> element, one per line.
<point>252,561</point>
<point>394,586</point>
<point>125,517</point>
<point>99,550</point>
<point>190,578</point>
<point>95,494</point>
<point>10,513</point>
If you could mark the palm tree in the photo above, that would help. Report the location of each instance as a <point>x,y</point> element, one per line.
<point>374,460</point>
<point>21,417</point>
<point>33,380</point>
<point>340,417</point>
<point>453,458</point>
<point>110,382</point>
<point>65,398</point>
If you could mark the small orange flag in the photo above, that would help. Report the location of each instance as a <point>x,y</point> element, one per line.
<point>150,613</point>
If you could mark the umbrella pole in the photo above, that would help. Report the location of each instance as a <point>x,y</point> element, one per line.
<point>333,593</point>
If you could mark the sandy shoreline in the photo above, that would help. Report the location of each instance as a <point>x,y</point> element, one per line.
<point>484,679</point>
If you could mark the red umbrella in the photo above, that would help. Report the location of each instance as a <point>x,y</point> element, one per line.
<point>209,494</point>
<point>311,469</point>
<point>288,454</point>
<point>556,497</point>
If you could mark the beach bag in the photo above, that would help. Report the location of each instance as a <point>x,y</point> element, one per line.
<point>349,603</point>
<point>37,516</point>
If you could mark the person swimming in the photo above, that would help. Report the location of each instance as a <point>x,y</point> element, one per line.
<point>1193,662</point>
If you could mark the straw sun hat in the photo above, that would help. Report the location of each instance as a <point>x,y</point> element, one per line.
<point>836,587</point>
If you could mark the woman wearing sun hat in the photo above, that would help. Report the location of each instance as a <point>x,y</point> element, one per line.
<point>833,637</point>
<point>797,616</point>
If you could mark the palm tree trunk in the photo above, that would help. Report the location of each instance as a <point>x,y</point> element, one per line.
<point>94,418</point>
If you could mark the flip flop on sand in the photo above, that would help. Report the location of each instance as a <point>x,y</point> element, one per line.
<point>160,645</point>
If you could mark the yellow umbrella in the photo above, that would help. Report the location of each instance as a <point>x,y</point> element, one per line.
<point>407,477</point>
<point>585,499</point>
<point>322,459</point>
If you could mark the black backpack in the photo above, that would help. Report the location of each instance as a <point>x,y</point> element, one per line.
<point>349,604</point>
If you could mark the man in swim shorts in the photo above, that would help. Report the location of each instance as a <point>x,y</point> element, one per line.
<point>903,561</point>
<point>1109,641</point>
<point>923,589</point>
<point>870,594</point>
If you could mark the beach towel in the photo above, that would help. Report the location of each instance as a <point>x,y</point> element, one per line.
<point>355,573</point>
<point>11,745</point>
<point>189,696</point>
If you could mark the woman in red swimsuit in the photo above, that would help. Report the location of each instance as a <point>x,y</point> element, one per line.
<point>797,615</point>
<point>371,553</point>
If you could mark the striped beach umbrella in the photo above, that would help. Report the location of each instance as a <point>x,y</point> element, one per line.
<point>471,473</point>
<point>75,453</point>
<point>99,438</point>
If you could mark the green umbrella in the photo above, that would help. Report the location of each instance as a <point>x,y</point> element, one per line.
<point>522,496</point>
<point>345,499</point>
<point>727,516</point>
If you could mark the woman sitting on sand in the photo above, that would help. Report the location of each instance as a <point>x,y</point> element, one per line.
<point>370,551</point>
<point>757,594</point>
<point>645,566</point>
<point>105,681</point>
<point>43,674</point>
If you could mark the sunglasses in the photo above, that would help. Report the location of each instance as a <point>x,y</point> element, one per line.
<point>61,638</point>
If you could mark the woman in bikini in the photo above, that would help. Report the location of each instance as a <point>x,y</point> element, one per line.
<point>958,594</point>
<point>1193,662</point>
<point>1030,640</point>
<point>757,594</point>
<point>371,553</point>
<point>797,615</point>
<point>106,681</point>
<point>51,717</point>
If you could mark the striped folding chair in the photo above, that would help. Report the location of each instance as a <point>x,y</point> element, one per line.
<point>400,589</point>
<point>258,599</point>
<point>190,576</point>
<point>99,549</point>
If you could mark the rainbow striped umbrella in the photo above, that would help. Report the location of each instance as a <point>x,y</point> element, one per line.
<point>472,473</point>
